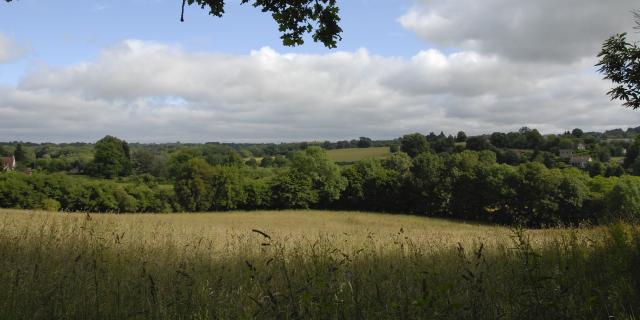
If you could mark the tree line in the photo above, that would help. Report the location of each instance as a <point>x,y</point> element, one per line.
<point>470,185</point>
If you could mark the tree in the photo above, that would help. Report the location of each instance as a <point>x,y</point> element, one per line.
<point>20,154</point>
<point>294,18</point>
<point>461,137</point>
<point>535,189</point>
<point>293,190</point>
<point>620,63</point>
<point>191,186</point>
<point>364,142</point>
<point>499,139</point>
<point>577,132</point>
<point>142,160</point>
<point>623,202</point>
<point>534,139</point>
<point>430,186</point>
<point>632,153</point>
<point>478,143</point>
<point>323,173</point>
<point>111,158</point>
<point>414,144</point>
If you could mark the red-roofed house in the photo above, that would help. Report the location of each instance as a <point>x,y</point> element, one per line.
<point>8,163</point>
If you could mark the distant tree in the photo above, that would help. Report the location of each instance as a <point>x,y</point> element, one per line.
<point>509,157</point>
<point>142,160</point>
<point>293,190</point>
<point>535,190</point>
<point>499,140</point>
<point>20,154</point>
<point>42,152</point>
<point>571,195</point>
<point>534,139</point>
<point>442,143</point>
<point>280,161</point>
<point>364,142</point>
<point>614,170</point>
<point>399,162</point>
<point>633,152</point>
<point>324,174</point>
<point>623,202</point>
<point>266,162</point>
<point>192,185</point>
<point>635,167</point>
<point>461,136</point>
<point>429,184</point>
<point>178,160</point>
<point>252,162</point>
<point>361,189</point>
<point>596,168</point>
<point>414,144</point>
<point>111,158</point>
<point>602,153</point>
<point>620,63</point>
<point>478,143</point>
<point>4,152</point>
<point>295,19</point>
<point>577,133</point>
<point>342,144</point>
<point>394,148</point>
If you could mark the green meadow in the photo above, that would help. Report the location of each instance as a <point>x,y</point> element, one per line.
<point>310,265</point>
<point>351,155</point>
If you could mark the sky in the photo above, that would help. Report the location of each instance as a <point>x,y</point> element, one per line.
<point>74,70</point>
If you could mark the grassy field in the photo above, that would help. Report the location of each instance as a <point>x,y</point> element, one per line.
<point>309,265</point>
<point>356,154</point>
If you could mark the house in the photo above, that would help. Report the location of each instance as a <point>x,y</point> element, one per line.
<point>580,161</point>
<point>8,163</point>
<point>565,153</point>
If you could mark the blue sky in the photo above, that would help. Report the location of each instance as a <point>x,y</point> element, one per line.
<point>74,70</point>
<point>59,33</point>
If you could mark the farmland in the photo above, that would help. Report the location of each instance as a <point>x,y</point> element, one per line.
<point>352,155</point>
<point>308,264</point>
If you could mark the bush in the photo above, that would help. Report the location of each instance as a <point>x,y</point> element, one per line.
<point>623,202</point>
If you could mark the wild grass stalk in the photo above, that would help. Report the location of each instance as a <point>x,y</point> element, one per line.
<point>109,267</point>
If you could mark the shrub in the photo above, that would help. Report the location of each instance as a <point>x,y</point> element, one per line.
<point>623,202</point>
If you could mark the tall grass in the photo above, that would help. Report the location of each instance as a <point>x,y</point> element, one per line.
<point>306,266</point>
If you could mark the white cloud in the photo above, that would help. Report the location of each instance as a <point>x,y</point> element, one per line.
<point>535,30</point>
<point>9,49</point>
<point>145,91</point>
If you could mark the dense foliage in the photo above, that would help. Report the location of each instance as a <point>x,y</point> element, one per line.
<point>462,184</point>
<point>620,63</point>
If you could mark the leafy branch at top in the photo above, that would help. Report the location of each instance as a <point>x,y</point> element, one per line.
<point>295,18</point>
<point>620,63</point>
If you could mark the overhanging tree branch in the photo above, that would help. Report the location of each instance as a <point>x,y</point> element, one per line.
<point>295,18</point>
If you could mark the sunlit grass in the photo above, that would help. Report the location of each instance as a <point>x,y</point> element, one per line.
<point>307,264</point>
<point>350,155</point>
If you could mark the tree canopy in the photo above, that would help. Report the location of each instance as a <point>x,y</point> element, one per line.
<point>112,158</point>
<point>295,19</point>
<point>620,63</point>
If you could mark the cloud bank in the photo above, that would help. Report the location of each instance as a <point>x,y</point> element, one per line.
<point>513,64</point>
<point>540,30</point>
